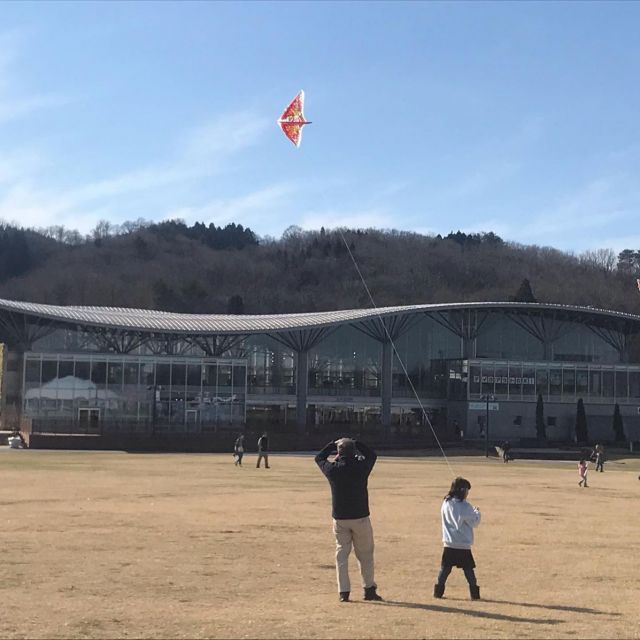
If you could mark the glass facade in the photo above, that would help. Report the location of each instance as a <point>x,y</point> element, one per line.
<point>425,351</point>
<point>562,382</point>
<point>346,363</point>
<point>70,376</point>
<point>500,338</point>
<point>192,394</point>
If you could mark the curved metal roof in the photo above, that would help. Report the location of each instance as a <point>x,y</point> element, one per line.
<point>146,320</point>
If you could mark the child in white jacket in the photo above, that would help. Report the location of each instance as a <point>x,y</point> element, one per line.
<point>459,518</point>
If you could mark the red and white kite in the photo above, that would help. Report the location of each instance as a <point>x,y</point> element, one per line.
<point>292,119</point>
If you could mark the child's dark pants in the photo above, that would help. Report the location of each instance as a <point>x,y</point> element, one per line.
<point>469,574</point>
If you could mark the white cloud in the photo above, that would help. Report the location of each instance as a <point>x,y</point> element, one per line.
<point>14,165</point>
<point>249,207</point>
<point>201,153</point>
<point>594,206</point>
<point>15,103</point>
<point>230,134</point>
<point>617,243</point>
<point>577,220</point>
<point>19,107</point>
<point>477,181</point>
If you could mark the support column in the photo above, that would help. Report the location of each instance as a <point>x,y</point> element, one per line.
<point>468,347</point>
<point>302,383</point>
<point>387,385</point>
<point>624,352</point>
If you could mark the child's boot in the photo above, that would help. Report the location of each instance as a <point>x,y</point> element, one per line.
<point>474,590</point>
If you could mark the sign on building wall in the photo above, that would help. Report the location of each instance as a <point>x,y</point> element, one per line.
<point>504,379</point>
<point>482,406</point>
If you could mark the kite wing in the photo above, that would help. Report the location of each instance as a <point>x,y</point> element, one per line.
<point>292,119</point>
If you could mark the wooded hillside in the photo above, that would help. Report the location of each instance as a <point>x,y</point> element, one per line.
<point>208,269</point>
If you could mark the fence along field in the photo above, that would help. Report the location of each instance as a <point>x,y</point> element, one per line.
<point>100,545</point>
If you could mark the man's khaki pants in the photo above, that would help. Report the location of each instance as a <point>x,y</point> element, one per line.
<point>359,534</point>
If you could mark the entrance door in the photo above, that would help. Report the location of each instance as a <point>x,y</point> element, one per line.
<point>89,419</point>
<point>191,419</point>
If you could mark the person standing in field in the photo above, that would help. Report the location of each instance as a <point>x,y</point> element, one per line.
<point>506,451</point>
<point>348,476</point>
<point>459,518</point>
<point>599,458</point>
<point>263,450</point>
<point>238,450</point>
<point>583,467</point>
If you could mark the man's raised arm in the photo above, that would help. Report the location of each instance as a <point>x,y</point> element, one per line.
<point>322,457</point>
<point>369,454</point>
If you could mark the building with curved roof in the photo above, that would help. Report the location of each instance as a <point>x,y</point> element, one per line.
<point>469,366</point>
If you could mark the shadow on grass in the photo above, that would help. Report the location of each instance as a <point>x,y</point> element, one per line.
<point>556,607</point>
<point>466,612</point>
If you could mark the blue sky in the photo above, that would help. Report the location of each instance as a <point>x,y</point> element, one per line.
<point>515,118</point>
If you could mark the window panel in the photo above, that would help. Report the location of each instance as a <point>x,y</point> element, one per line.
<point>634,384</point>
<point>595,383</point>
<point>607,384</point>
<point>555,383</point>
<point>65,368</point>
<point>568,382</point>
<point>542,382</point>
<point>32,371</point>
<point>49,370</point>
<point>488,381</point>
<point>622,385</point>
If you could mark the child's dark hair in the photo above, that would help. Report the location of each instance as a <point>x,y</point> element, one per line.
<point>458,488</point>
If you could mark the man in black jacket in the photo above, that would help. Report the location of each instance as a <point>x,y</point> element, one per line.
<point>348,475</point>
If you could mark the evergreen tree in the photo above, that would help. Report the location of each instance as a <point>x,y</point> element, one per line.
<point>618,427</point>
<point>582,434</point>
<point>235,305</point>
<point>15,255</point>
<point>164,297</point>
<point>541,431</point>
<point>627,261</point>
<point>194,297</point>
<point>141,247</point>
<point>524,293</point>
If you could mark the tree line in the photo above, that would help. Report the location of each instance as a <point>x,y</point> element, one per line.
<point>203,268</point>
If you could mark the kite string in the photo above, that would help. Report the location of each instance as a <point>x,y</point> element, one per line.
<point>395,351</point>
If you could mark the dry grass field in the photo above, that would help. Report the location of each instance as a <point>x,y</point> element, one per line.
<point>114,545</point>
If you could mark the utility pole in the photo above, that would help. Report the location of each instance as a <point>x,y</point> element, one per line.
<point>154,389</point>
<point>486,430</point>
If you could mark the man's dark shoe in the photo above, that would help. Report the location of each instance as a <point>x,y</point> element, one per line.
<point>474,592</point>
<point>344,596</point>
<point>370,593</point>
<point>438,590</point>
